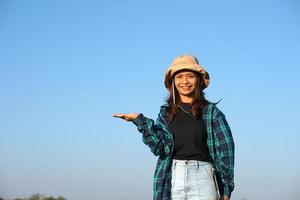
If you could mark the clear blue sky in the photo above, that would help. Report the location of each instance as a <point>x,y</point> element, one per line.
<point>67,66</point>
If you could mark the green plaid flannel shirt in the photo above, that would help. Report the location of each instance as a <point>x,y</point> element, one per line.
<point>159,138</point>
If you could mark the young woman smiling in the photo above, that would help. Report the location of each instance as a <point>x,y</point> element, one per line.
<point>191,138</point>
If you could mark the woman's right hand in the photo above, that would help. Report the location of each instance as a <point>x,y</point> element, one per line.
<point>127,117</point>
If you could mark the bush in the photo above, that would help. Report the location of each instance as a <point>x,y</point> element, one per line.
<point>38,196</point>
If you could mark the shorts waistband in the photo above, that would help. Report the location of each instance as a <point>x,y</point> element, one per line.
<point>189,162</point>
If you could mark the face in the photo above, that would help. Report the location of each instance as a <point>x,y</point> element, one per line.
<point>185,83</point>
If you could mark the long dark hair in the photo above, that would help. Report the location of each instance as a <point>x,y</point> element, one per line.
<point>198,103</point>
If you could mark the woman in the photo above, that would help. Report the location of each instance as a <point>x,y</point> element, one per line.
<point>191,138</point>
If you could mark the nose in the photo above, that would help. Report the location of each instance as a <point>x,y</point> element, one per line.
<point>185,80</point>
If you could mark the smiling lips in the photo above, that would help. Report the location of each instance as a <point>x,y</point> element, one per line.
<point>186,87</point>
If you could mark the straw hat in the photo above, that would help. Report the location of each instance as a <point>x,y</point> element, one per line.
<point>185,62</point>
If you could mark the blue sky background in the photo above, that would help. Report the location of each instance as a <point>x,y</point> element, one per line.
<point>67,66</point>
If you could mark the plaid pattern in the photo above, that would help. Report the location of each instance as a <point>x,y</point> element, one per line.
<point>159,138</point>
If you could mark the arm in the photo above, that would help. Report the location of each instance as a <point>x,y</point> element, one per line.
<point>153,135</point>
<point>224,146</point>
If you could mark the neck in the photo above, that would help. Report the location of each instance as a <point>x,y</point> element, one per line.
<point>186,99</point>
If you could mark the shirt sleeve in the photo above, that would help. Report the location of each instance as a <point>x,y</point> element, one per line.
<point>224,146</point>
<point>153,135</point>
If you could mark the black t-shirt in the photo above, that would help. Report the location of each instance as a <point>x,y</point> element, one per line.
<point>189,137</point>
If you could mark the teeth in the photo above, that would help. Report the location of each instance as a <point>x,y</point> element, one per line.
<point>185,88</point>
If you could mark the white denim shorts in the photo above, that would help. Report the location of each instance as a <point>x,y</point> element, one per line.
<point>193,180</point>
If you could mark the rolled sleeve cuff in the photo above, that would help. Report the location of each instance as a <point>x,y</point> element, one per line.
<point>139,120</point>
<point>227,192</point>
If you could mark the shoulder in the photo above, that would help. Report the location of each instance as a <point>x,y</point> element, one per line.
<point>162,112</point>
<point>163,107</point>
<point>214,110</point>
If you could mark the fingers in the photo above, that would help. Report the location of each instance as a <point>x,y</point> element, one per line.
<point>127,117</point>
<point>225,198</point>
<point>118,115</point>
<point>122,116</point>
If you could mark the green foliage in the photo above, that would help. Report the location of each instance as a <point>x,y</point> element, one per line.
<point>60,198</point>
<point>49,198</point>
<point>35,197</point>
<point>38,196</point>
